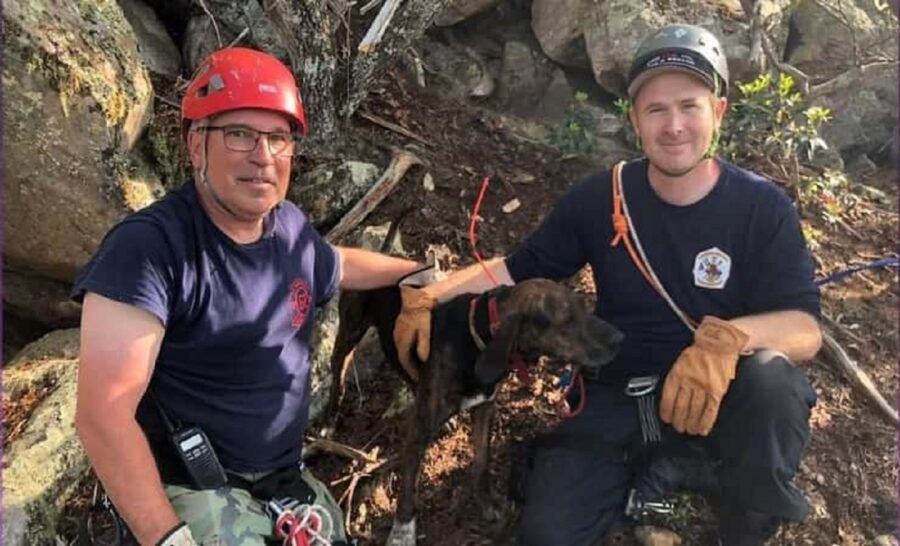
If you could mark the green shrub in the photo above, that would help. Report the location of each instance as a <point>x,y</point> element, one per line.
<point>768,122</point>
<point>575,135</point>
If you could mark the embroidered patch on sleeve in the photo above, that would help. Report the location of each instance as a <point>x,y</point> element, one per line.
<point>300,302</point>
<point>712,268</point>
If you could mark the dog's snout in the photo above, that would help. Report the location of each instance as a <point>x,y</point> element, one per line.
<point>605,339</point>
<point>616,337</point>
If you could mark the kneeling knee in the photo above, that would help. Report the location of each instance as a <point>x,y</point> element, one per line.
<point>772,383</point>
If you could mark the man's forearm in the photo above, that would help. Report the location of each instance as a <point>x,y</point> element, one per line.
<point>122,460</point>
<point>471,280</point>
<point>363,269</point>
<point>794,333</point>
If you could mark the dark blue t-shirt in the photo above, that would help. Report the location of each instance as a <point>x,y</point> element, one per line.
<point>235,356</point>
<point>738,251</point>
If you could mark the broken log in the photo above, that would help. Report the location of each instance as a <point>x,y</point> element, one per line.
<point>859,379</point>
<point>376,31</point>
<point>391,126</point>
<point>343,450</point>
<point>401,161</point>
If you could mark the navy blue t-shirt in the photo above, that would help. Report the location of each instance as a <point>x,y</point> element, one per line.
<point>238,317</point>
<point>738,251</point>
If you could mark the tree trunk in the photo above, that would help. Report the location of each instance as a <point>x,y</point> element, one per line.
<point>315,35</point>
<point>410,22</point>
<point>307,28</point>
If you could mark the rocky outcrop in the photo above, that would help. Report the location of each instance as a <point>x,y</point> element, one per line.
<point>830,41</point>
<point>157,48</point>
<point>42,466</point>
<point>328,191</point>
<point>460,10</point>
<point>76,98</point>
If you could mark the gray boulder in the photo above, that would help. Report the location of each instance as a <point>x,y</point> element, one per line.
<point>159,52</point>
<point>77,97</point>
<point>44,464</point>
<point>460,10</point>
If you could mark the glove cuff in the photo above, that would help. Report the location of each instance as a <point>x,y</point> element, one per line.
<point>720,335</point>
<point>180,535</point>
<point>415,298</point>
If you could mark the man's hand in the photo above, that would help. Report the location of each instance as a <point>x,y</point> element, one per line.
<point>699,378</point>
<point>180,535</point>
<point>413,328</point>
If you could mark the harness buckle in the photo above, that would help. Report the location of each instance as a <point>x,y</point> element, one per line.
<point>642,390</point>
<point>641,386</point>
<point>637,507</point>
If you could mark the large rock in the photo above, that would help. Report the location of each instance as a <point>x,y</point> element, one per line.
<point>823,34</point>
<point>232,19</point>
<point>159,52</point>
<point>865,115</point>
<point>42,467</point>
<point>559,26</point>
<point>824,37</point>
<point>524,78</point>
<point>605,36</point>
<point>40,300</point>
<point>460,10</point>
<point>327,191</point>
<point>77,97</point>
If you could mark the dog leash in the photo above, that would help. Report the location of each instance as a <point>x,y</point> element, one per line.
<point>473,222</point>
<point>516,362</point>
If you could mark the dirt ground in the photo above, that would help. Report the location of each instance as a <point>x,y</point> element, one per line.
<point>849,471</point>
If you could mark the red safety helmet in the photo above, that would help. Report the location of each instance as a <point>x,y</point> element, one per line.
<point>237,77</point>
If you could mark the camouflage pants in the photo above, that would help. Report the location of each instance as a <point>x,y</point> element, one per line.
<point>230,516</point>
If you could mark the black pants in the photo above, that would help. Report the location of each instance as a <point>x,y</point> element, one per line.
<point>576,487</point>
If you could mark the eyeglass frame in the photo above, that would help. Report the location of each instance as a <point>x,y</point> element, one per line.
<point>225,128</point>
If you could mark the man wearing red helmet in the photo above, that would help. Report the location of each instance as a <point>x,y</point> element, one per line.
<point>703,266</point>
<point>196,323</point>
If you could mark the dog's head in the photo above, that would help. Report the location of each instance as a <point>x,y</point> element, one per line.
<point>540,317</point>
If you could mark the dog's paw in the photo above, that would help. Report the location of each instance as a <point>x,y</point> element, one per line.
<point>402,534</point>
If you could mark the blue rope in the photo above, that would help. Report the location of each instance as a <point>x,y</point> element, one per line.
<point>893,261</point>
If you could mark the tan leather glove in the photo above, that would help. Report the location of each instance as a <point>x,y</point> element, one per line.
<point>700,377</point>
<point>180,535</point>
<point>412,328</point>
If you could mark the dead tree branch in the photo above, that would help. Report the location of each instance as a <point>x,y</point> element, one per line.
<point>847,78</point>
<point>392,126</point>
<point>401,161</point>
<point>379,26</point>
<point>841,362</point>
<point>756,57</point>
<point>337,448</point>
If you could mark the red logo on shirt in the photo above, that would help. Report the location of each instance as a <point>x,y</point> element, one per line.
<point>299,302</point>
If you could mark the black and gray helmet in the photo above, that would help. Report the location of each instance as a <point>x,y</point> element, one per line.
<point>686,48</point>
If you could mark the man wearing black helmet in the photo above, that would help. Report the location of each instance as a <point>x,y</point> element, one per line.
<point>703,266</point>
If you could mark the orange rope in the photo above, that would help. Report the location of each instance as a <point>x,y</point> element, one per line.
<point>620,225</point>
<point>472,237</point>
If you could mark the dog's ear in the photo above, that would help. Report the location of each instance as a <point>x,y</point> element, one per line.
<point>493,362</point>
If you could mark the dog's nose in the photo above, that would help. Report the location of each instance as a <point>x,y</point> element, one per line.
<point>616,337</point>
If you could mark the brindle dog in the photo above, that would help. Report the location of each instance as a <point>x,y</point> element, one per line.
<point>536,317</point>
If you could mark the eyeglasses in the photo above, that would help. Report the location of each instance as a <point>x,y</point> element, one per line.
<point>244,139</point>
